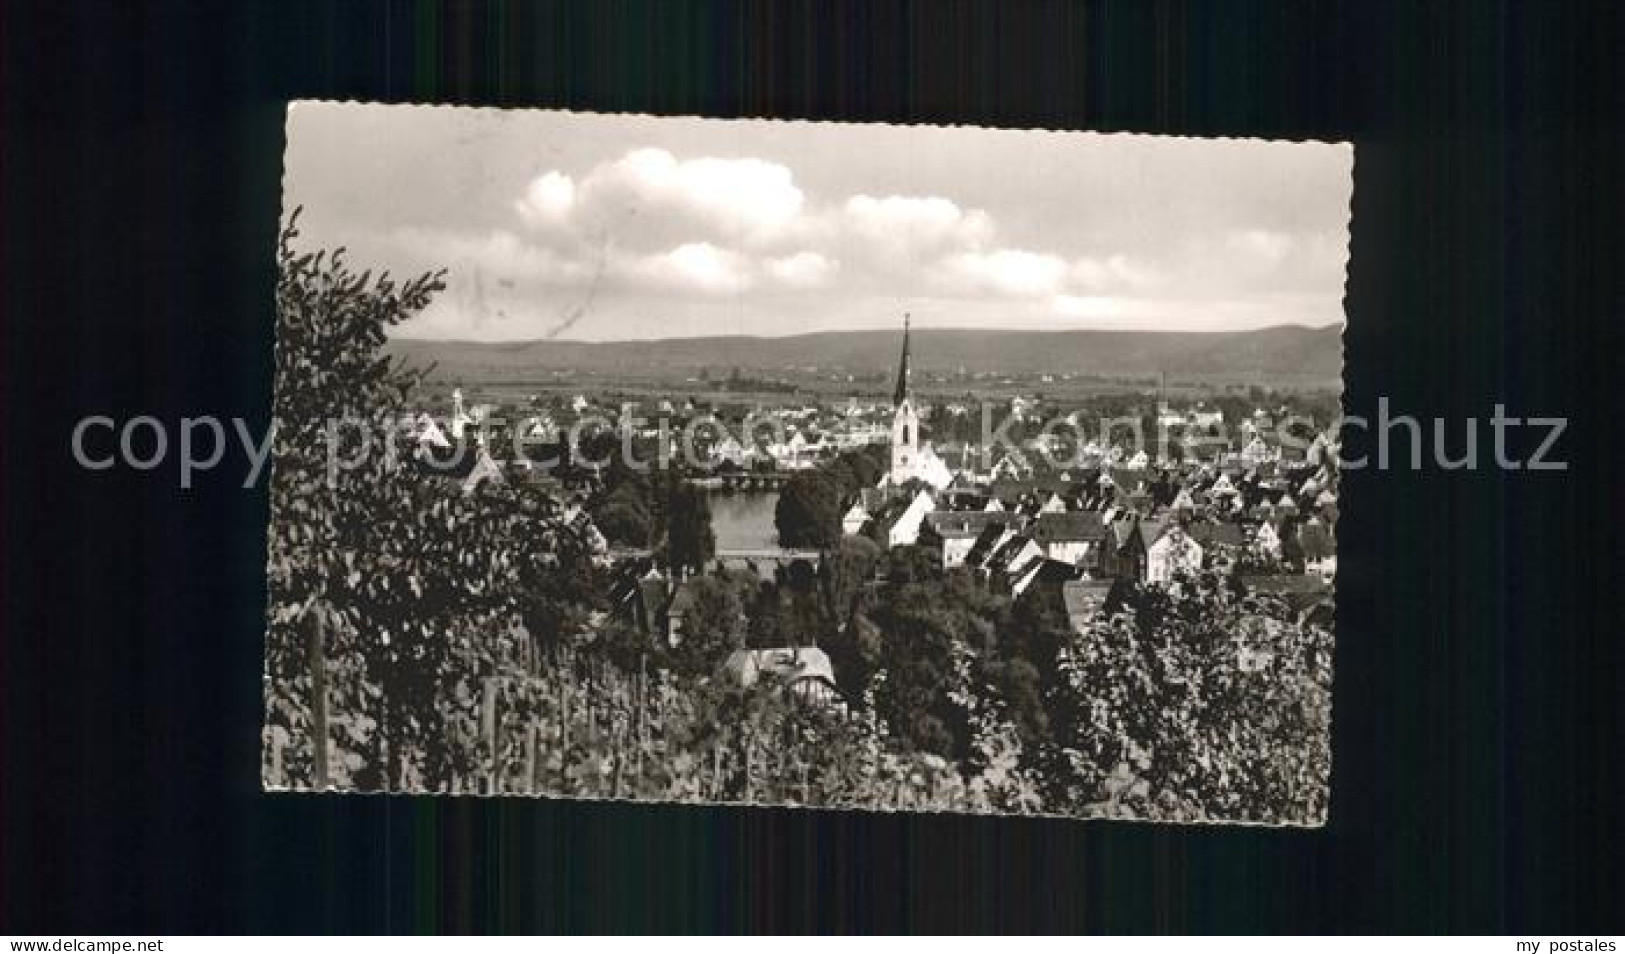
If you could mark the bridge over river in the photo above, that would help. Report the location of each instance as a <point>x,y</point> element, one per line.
<point>746,481</point>
<point>766,564</point>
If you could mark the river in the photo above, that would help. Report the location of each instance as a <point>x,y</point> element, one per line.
<point>744,520</point>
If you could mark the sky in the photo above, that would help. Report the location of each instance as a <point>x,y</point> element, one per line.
<point>609,227</point>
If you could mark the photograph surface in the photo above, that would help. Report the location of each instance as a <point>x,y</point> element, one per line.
<point>863,467</point>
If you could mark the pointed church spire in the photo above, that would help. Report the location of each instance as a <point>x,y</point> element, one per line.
<point>902,368</point>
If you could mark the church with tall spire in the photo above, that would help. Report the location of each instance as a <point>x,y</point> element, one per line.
<point>905,426</point>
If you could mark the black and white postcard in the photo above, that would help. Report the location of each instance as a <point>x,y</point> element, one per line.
<point>863,467</point>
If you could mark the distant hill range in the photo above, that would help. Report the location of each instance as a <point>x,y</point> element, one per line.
<point>1288,351</point>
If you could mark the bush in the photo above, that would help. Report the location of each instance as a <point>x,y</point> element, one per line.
<point>1197,703</point>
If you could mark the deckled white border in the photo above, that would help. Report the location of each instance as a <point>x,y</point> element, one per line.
<point>1317,825</point>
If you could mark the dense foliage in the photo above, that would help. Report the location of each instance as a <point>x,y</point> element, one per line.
<point>1201,703</point>
<point>410,585</point>
<point>808,513</point>
<point>690,541</point>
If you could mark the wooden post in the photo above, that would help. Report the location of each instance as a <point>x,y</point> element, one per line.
<point>530,758</point>
<point>278,778</point>
<point>643,719</point>
<point>489,723</point>
<point>564,739</point>
<point>318,695</point>
<point>617,744</point>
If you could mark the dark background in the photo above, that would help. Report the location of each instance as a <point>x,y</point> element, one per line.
<point>1478,733</point>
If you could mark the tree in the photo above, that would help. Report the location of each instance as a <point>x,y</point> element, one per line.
<point>690,540</point>
<point>916,651</point>
<point>1198,702</point>
<point>808,513</point>
<point>557,606</point>
<point>418,584</point>
<point>925,622</point>
<point>1022,667</point>
<point>802,612</point>
<point>862,468</point>
<point>842,575</point>
<point>911,564</point>
<point>766,628</point>
<point>623,516</point>
<point>714,627</point>
<point>1019,683</point>
<point>623,520</point>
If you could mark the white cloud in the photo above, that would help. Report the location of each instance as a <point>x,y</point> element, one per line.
<point>1006,272</point>
<point>548,199</point>
<point>908,225</point>
<point>650,191</point>
<point>697,266</point>
<point>715,225</point>
<point>802,270</point>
